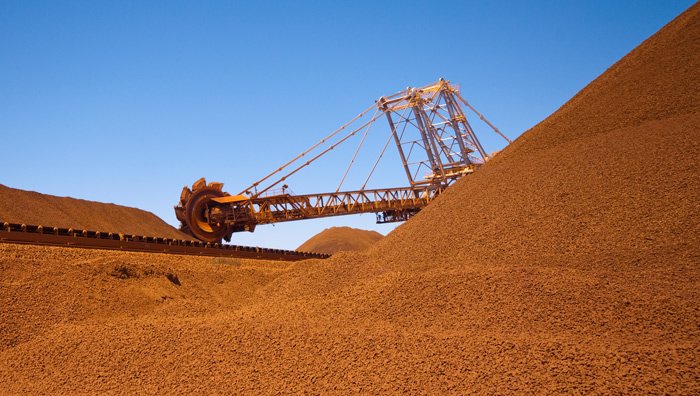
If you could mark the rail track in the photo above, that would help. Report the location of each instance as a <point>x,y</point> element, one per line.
<point>69,237</point>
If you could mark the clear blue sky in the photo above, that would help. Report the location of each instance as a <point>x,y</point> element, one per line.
<point>126,102</point>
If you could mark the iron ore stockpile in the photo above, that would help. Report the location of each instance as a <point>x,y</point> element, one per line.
<point>340,239</point>
<point>29,207</point>
<point>574,268</point>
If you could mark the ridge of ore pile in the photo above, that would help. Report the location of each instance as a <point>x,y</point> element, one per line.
<point>30,207</point>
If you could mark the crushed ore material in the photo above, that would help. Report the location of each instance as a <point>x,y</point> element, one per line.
<point>570,263</point>
<point>340,239</point>
<point>29,207</point>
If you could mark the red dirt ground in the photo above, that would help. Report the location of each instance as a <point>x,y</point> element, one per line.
<point>29,207</point>
<point>570,263</point>
<point>340,239</point>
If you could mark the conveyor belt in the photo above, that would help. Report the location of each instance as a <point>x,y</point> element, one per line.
<point>69,237</point>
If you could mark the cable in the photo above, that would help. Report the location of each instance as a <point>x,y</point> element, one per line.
<point>377,162</point>
<point>254,185</point>
<point>352,161</point>
<point>482,117</point>
<point>381,154</point>
<point>348,136</point>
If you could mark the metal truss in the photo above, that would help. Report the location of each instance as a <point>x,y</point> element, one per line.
<point>432,134</point>
<point>285,207</point>
<point>435,141</point>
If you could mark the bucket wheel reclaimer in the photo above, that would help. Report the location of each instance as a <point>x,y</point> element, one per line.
<point>429,117</point>
<point>198,213</point>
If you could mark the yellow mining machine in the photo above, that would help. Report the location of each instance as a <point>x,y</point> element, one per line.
<point>435,142</point>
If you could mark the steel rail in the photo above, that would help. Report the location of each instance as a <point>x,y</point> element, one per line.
<point>68,237</point>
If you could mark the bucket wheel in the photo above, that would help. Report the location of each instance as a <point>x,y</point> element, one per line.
<point>197,212</point>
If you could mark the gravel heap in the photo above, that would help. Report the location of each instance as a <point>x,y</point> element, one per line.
<point>29,207</point>
<point>340,239</point>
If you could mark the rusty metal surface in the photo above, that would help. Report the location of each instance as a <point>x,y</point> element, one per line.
<point>295,207</point>
<point>68,237</point>
<point>434,140</point>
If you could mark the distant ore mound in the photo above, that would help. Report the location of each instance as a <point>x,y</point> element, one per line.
<point>29,207</point>
<point>336,239</point>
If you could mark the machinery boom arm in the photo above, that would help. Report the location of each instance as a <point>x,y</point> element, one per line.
<point>285,207</point>
<point>428,118</point>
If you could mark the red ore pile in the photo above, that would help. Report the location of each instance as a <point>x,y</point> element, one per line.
<point>570,263</point>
